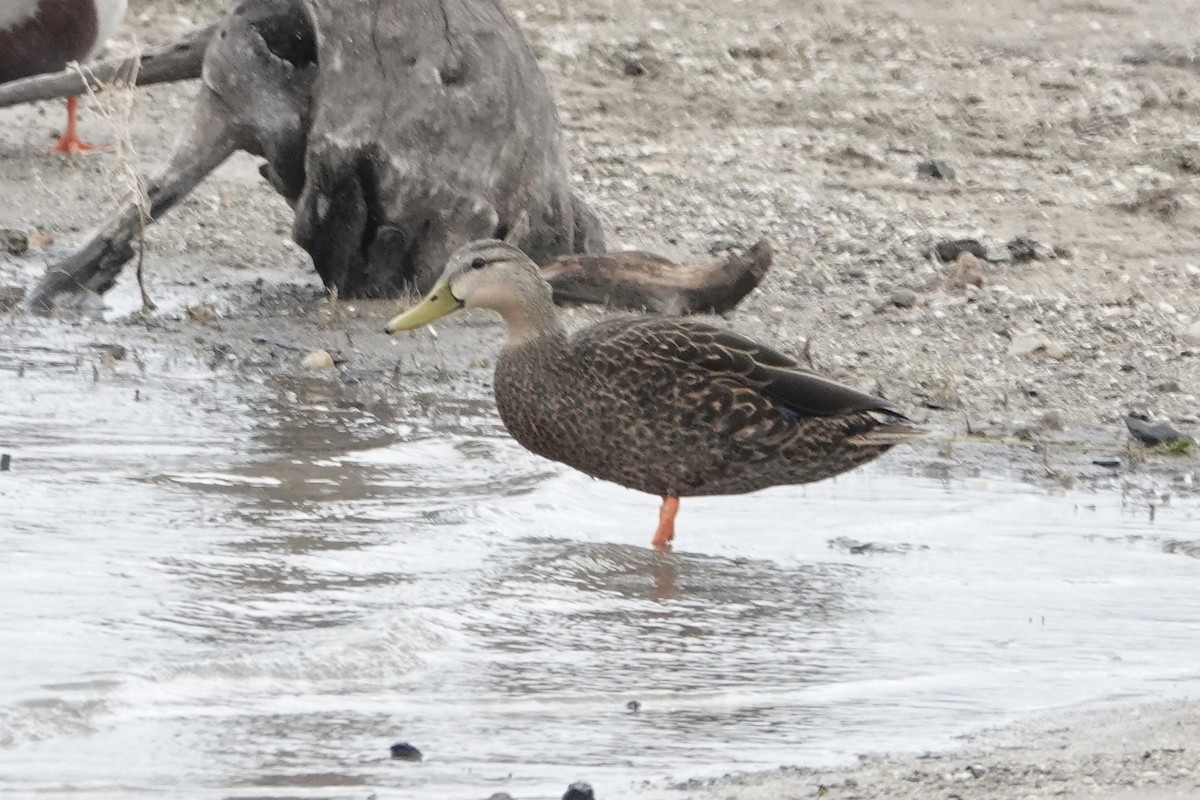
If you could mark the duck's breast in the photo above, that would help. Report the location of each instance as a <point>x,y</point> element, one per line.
<point>45,35</point>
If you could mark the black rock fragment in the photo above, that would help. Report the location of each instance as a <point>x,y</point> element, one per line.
<point>403,751</point>
<point>579,791</point>
<point>935,169</point>
<point>1151,433</point>
<point>1022,249</point>
<point>950,249</point>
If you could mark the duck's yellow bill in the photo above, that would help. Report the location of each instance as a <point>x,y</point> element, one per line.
<point>437,304</point>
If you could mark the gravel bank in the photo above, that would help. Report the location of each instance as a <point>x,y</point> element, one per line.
<point>1142,753</point>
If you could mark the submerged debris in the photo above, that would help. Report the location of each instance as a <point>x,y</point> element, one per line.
<point>579,791</point>
<point>857,548</point>
<point>403,751</point>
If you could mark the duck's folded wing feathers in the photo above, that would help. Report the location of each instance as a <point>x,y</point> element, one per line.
<point>723,353</point>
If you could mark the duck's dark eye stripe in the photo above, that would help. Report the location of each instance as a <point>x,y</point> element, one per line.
<point>478,263</point>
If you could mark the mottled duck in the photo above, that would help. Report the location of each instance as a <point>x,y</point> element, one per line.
<point>671,406</point>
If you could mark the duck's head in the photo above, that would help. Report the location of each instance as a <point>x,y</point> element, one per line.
<point>487,274</point>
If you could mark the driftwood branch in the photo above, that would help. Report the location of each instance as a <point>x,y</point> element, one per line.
<point>644,281</point>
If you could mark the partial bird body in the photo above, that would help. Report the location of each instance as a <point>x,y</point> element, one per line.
<point>40,36</point>
<point>671,406</point>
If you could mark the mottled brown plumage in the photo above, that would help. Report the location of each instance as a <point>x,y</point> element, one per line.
<point>681,408</point>
<point>671,406</point>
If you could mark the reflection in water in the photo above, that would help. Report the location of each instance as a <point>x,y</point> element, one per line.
<point>240,589</point>
<point>727,623</point>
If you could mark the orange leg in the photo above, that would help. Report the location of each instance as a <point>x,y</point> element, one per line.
<point>666,523</point>
<point>70,142</point>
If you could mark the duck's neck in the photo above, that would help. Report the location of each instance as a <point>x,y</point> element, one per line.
<point>532,319</point>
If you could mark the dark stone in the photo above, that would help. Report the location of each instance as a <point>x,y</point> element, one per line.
<point>935,169</point>
<point>950,249</point>
<point>5,462</point>
<point>634,706</point>
<point>403,751</point>
<point>633,67</point>
<point>14,242</point>
<point>1151,433</point>
<point>1022,249</point>
<point>579,791</point>
<point>1111,462</point>
<point>903,298</point>
<point>10,297</point>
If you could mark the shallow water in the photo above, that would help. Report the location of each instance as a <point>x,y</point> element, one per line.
<point>251,588</point>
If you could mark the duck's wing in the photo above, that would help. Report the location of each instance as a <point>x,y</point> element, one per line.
<point>692,346</point>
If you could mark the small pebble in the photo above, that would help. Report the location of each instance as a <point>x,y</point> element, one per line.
<point>317,359</point>
<point>950,249</point>
<point>634,706</point>
<point>1054,420</point>
<point>14,242</point>
<point>1028,343</point>
<point>1109,462</point>
<point>11,297</point>
<point>579,791</point>
<point>1022,430</point>
<point>1021,249</point>
<point>903,298</point>
<point>1191,334</point>
<point>968,271</point>
<point>935,169</point>
<point>403,751</point>
<point>5,462</point>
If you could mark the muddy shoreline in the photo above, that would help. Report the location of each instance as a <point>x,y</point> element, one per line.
<point>1143,752</point>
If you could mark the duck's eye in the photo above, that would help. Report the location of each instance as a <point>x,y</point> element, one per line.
<point>478,263</point>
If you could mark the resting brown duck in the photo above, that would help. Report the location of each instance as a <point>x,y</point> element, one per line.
<point>671,406</point>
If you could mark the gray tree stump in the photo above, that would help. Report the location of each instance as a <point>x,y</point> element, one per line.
<point>397,131</point>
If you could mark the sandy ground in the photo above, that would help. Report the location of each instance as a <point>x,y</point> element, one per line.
<point>1143,753</point>
<point>695,125</point>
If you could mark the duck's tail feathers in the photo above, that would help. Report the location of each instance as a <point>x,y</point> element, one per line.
<point>890,432</point>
